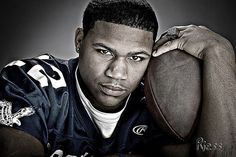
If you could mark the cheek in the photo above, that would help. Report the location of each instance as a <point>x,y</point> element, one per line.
<point>136,73</point>
<point>92,68</point>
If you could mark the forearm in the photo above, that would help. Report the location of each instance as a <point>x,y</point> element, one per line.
<point>218,117</point>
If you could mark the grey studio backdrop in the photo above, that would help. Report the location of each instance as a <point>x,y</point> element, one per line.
<point>33,27</point>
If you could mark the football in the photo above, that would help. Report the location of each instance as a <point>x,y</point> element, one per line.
<point>172,88</point>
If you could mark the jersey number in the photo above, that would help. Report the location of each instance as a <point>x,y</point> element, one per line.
<point>35,73</point>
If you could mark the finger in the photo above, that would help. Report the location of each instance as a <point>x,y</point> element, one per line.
<point>162,41</point>
<point>181,28</point>
<point>168,46</point>
<point>170,34</point>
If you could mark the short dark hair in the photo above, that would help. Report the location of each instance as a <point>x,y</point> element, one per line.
<point>133,13</point>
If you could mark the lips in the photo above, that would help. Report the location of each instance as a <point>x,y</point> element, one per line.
<point>111,89</point>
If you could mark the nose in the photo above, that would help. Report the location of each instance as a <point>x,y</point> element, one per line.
<point>117,70</point>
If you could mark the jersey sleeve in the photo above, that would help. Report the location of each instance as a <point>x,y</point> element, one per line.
<point>32,92</point>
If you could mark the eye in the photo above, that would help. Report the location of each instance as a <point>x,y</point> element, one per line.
<point>136,58</point>
<point>104,52</point>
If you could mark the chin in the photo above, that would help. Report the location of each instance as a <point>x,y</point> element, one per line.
<point>110,103</point>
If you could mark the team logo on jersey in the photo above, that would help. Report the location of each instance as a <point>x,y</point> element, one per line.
<point>8,118</point>
<point>140,129</point>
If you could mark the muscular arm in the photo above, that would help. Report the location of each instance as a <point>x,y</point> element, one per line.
<point>217,125</point>
<point>16,143</point>
<point>218,117</point>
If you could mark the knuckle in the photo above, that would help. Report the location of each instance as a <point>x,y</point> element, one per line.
<point>203,27</point>
<point>181,44</point>
<point>168,43</point>
<point>192,26</point>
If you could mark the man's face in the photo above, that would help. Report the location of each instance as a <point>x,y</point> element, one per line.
<point>112,62</point>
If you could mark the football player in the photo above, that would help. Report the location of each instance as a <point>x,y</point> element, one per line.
<point>93,105</point>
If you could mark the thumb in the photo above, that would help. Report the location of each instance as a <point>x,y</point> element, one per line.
<point>168,46</point>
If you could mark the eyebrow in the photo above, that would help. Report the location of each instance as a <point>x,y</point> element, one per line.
<point>113,50</point>
<point>137,53</point>
<point>104,46</point>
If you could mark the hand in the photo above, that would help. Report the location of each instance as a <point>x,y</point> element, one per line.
<point>195,40</point>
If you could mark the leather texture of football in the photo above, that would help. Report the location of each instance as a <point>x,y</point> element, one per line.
<point>173,92</point>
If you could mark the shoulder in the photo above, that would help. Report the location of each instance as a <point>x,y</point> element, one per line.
<point>36,81</point>
<point>34,94</point>
<point>42,70</point>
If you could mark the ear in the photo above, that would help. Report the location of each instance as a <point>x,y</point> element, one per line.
<point>79,34</point>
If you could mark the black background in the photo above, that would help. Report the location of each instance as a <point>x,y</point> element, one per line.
<point>32,27</point>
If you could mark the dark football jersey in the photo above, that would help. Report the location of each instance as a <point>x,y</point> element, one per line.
<point>39,96</point>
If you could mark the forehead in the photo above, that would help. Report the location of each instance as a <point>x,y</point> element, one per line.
<point>109,31</point>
